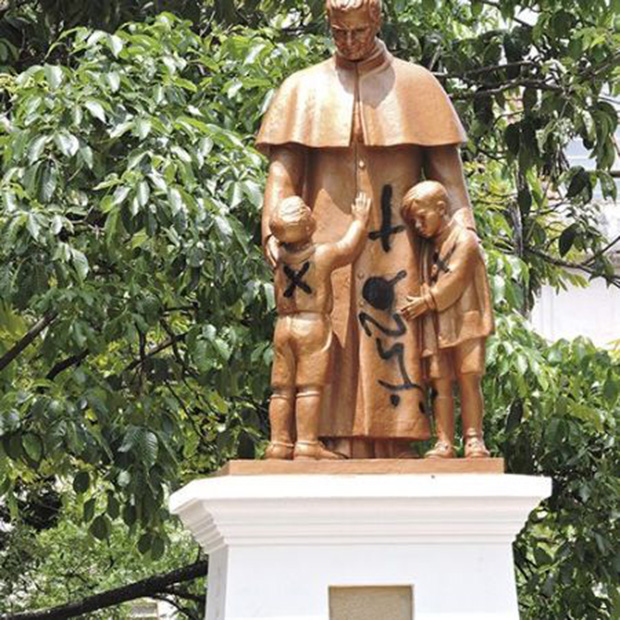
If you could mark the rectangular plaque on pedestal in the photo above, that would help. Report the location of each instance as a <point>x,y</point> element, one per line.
<point>371,603</point>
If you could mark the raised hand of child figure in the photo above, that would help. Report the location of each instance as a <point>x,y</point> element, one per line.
<point>361,207</point>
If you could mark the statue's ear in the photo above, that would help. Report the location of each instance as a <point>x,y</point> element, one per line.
<point>377,23</point>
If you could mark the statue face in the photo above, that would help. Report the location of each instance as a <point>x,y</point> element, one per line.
<point>354,33</point>
<point>428,219</point>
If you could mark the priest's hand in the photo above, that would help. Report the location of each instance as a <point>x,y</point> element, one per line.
<point>271,250</point>
<point>416,307</point>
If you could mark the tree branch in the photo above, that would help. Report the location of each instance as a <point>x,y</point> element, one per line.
<point>184,594</point>
<point>608,247</point>
<point>34,331</point>
<point>73,360</point>
<point>175,349</point>
<point>558,262</point>
<point>139,589</point>
<point>154,351</point>
<point>539,84</point>
<point>487,69</point>
<point>180,608</point>
<point>496,5</point>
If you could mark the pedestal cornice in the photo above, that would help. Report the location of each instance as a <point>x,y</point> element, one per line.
<point>348,509</point>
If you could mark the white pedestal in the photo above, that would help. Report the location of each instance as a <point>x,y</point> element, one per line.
<point>277,543</point>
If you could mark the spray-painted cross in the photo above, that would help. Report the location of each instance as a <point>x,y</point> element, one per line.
<point>387,230</point>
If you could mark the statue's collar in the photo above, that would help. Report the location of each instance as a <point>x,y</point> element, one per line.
<point>378,57</point>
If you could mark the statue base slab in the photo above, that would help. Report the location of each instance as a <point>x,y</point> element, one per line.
<point>282,546</point>
<point>364,466</point>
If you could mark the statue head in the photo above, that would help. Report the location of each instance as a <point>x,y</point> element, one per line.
<point>292,221</point>
<point>425,207</point>
<point>354,25</point>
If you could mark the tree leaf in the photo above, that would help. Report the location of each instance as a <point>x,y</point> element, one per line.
<point>115,44</point>
<point>33,227</point>
<point>48,181</point>
<point>67,143</point>
<point>124,479</point>
<point>158,547</point>
<point>176,201</point>
<point>144,543</point>
<point>36,150</point>
<point>143,194</point>
<point>54,76</point>
<point>611,388</point>
<point>143,127</point>
<point>86,155</point>
<point>566,240</point>
<point>113,507</point>
<point>120,195</point>
<point>33,447</point>
<point>129,515</point>
<point>100,527</point>
<point>515,416</point>
<point>130,439</point>
<point>114,81</point>
<point>578,183</point>
<point>89,510</point>
<point>96,109</point>
<point>147,447</point>
<point>80,264</point>
<point>81,482</point>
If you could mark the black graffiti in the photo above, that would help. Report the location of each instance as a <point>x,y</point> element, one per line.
<point>441,263</point>
<point>296,280</point>
<point>397,351</point>
<point>379,292</point>
<point>399,330</point>
<point>387,230</point>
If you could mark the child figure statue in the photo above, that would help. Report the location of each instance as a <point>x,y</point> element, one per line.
<point>303,333</point>
<point>456,316</point>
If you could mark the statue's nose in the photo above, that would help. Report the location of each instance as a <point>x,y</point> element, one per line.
<point>350,37</point>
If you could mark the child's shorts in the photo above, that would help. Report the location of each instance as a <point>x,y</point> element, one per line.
<point>464,359</point>
<point>302,350</point>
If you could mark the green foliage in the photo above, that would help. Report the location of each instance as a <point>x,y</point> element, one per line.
<point>65,565</point>
<point>554,411</point>
<point>123,203</point>
<point>129,214</point>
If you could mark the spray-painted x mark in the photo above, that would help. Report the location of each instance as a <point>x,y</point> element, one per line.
<point>296,280</point>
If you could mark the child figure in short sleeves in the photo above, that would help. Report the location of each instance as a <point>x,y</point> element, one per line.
<point>454,307</point>
<point>303,334</point>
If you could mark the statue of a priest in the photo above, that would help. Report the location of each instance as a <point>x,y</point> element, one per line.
<point>364,121</point>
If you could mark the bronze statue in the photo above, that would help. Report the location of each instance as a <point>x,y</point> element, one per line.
<point>455,308</point>
<point>303,334</point>
<point>365,121</point>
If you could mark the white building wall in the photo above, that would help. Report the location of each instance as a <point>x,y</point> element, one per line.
<point>593,312</point>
